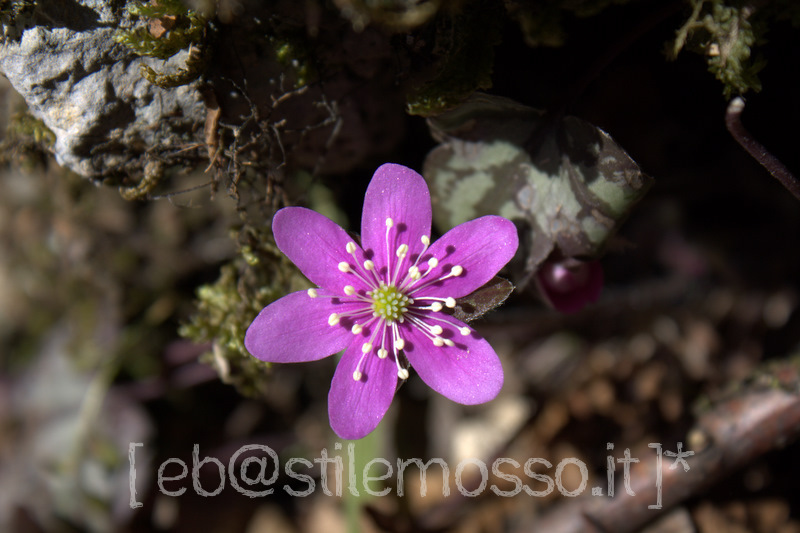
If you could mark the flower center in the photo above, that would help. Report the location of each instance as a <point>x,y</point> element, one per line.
<point>389,303</point>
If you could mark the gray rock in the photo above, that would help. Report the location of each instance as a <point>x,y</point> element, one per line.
<point>89,90</point>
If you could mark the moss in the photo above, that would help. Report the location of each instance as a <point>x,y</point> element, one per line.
<point>725,33</point>
<point>15,16</point>
<point>397,15</point>
<point>464,45</point>
<point>182,28</point>
<point>258,276</point>
<point>543,23</point>
<point>24,127</point>
<point>194,67</point>
<point>171,28</point>
<point>153,174</point>
<point>292,54</point>
<point>542,26</point>
<point>28,142</point>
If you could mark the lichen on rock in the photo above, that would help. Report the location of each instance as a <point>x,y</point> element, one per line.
<point>88,90</point>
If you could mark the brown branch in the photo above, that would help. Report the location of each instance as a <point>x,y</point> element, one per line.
<point>761,417</point>
<point>734,124</point>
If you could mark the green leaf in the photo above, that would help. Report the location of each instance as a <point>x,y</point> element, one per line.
<point>568,194</point>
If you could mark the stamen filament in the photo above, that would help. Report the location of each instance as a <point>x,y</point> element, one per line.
<point>356,273</point>
<point>427,330</point>
<point>436,306</point>
<point>455,271</point>
<point>334,318</point>
<point>395,336</point>
<point>401,253</point>
<point>345,267</point>
<point>358,328</point>
<point>432,263</point>
<point>385,300</point>
<point>368,270</point>
<point>463,330</point>
<point>413,273</point>
<point>383,352</point>
<point>367,346</point>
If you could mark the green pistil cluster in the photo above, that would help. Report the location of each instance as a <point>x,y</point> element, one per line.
<point>389,303</point>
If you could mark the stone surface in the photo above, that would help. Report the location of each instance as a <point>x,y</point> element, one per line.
<point>88,89</point>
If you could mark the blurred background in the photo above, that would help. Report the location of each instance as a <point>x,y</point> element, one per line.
<point>125,289</point>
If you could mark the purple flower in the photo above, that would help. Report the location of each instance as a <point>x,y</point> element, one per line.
<point>382,301</point>
<point>568,285</point>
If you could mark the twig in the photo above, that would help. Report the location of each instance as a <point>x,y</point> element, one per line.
<point>764,416</point>
<point>734,124</point>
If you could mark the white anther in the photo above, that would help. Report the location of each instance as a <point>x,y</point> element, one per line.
<point>464,330</point>
<point>450,302</point>
<point>426,240</point>
<point>344,267</point>
<point>383,353</point>
<point>333,319</point>
<point>357,375</point>
<point>437,329</point>
<point>432,262</point>
<point>438,341</point>
<point>367,346</point>
<point>399,344</point>
<point>436,306</point>
<point>402,250</point>
<point>350,247</point>
<point>312,293</point>
<point>389,222</point>
<point>402,373</point>
<point>456,270</point>
<point>449,342</point>
<point>349,290</point>
<point>369,265</point>
<point>413,272</point>
<point>356,329</point>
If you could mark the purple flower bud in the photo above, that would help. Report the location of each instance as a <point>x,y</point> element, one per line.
<point>568,285</point>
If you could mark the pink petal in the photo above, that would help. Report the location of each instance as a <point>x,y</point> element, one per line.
<point>399,193</point>
<point>316,245</point>
<point>355,407</point>
<point>468,372</point>
<point>481,247</point>
<point>295,329</point>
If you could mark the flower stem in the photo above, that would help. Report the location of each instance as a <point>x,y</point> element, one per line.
<point>734,124</point>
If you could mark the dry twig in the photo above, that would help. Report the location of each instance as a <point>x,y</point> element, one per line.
<point>761,416</point>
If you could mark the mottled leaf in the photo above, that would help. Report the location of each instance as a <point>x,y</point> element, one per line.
<point>568,193</point>
<point>483,300</point>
